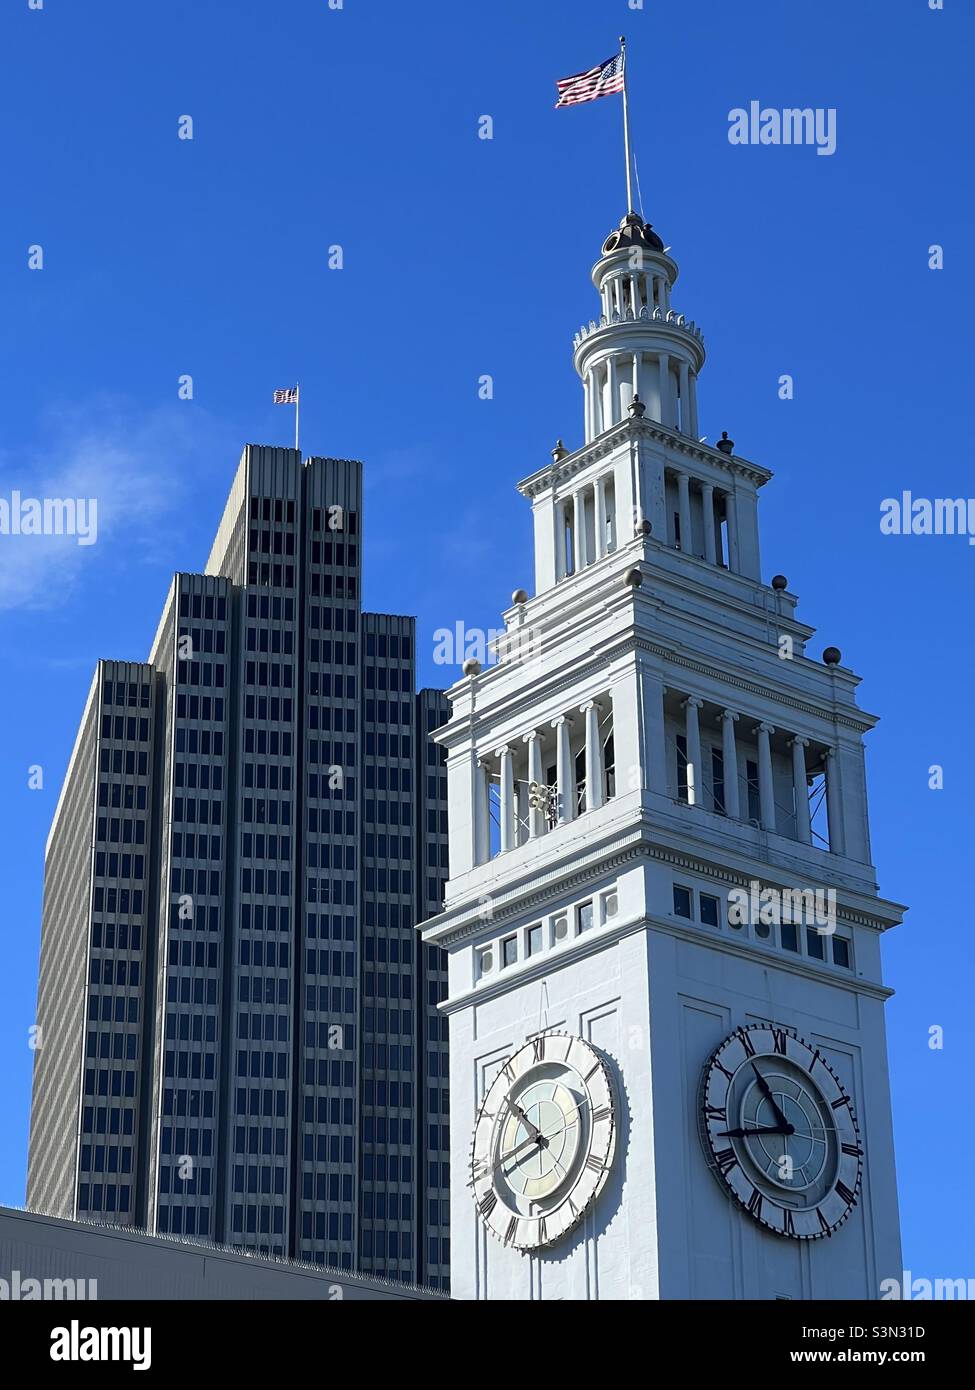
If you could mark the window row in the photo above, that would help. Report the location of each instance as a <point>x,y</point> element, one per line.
<point>199,741</point>
<point>123,760</point>
<point>554,931</point>
<point>203,606</point>
<point>278,609</point>
<point>212,673</point>
<point>820,943</point>
<point>190,641</point>
<point>131,693</point>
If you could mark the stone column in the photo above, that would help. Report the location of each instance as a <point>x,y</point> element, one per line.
<point>565,776</point>
<point>594,757</point>
<point>579,529</point>
<point>695,428</point>
<point>730,753</point>
<point>482,812</point>
<point>666,414</point>
<point>834,812</point>
<point>695,777</point>
<point>685,413</point>
<point>730,512</point>
<point>614,393</point>
<point>707,496</point>
<point>537,824</point>
<point>561,560</point>
<point>508,839</point>
<point>800,789</point>
<point>600,512</point>
<point>684,502</point>
<point>766,786</point>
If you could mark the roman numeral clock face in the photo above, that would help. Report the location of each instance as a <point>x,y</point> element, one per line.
<point>780,1133</point>
<point>544,1141</point>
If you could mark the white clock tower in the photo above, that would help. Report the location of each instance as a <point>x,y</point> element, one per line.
<point>668,1066</point>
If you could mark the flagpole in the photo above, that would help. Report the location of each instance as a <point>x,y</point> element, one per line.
<point>626,131</point>
<point>297,412</point>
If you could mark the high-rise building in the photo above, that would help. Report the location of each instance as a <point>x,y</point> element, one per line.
<point>239,1035</point>
<point>667,1046</point>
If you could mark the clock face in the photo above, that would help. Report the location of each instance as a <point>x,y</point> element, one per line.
<point>780,1132</point>
<point>544,1141</point>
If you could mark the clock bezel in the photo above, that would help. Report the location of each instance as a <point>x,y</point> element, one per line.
<point>774,1040</point>
<point>515,1230</point>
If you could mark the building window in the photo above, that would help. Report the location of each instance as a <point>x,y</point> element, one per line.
<point>709,910</point>
<point>509,951</point>
<point>790,936</point>
<point>683,906</point>
<point>583,917</point>
<point>611,904</point>
<point>815,944</point>
<point>841,952</point>
<point>533,940</point>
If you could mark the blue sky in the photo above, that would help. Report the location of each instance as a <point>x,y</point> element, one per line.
<point>315,127</point>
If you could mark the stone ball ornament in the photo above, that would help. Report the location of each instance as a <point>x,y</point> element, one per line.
<point>832,656</point>
<point>471,667</point>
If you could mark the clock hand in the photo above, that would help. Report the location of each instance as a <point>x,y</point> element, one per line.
<point>766,1091</point>
<point>525,1120</point>
<point>750,1133</point>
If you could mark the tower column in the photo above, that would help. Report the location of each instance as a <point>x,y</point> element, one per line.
<point>587,404</point>
<point>508,839</point>
<point>730,757</point>
<point>694,424</point>
<point>579,529</point>
<point>834,814</point>
<point>684,402</point>
<point>800,789</point>
<point>684,503</point>
<point>600,511</point>
<point>766,786</point>
<point>666,415</point>
<point>732,515</point>
<point>482,812</point>
<point>695,781</point>
<point>537,824</point>
<point>707,497</point>
<point>564,771</point>
<point>594,757</point>
<point>614,393</point>
<point>561,563</point>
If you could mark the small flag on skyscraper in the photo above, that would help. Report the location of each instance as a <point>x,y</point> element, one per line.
<point>288,397</point>
<point>601,81</point>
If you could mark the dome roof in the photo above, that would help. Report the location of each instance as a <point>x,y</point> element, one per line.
<point>633,231</point>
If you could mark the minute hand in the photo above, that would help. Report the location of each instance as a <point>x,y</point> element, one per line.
<point>767,1093</point>
<point>750,1133</point>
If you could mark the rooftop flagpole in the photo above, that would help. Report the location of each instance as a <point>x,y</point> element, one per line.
<point>297,412</point>
<point>626,132</point>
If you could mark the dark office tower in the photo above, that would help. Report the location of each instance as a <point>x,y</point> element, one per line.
<point>239,1033</point>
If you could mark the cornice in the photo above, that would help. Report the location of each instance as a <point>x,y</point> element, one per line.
<point>602,938</point>
<point>634,430</point>
<point>516,900</point>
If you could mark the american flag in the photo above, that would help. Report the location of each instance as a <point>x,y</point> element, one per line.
<point>601,81</point>
<point>288,397</point>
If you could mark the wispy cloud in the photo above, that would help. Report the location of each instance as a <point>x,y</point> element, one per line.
<point>131,465</point>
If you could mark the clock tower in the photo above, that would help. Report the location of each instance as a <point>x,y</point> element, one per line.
<point>668,1065</point>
